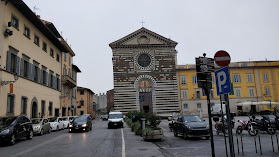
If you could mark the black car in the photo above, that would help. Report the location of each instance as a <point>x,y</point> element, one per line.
<point>82,123</point>
<point>191,126</point>
<point>105,117</point>
<point>16,127</point>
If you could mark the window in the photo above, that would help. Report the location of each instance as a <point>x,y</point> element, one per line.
<point>237,92</point>
<point>26,31</point>
<point>267,91</point>
<point>198,94</point>
<point>44,77</point>
<point>45,46</point>
<point>50,109</point>
<point>57,57</point>
<point>43,108</point>
<point>15,22</point>
<point>36,74</point>
<point>185,107</point>
<point>51,52</point>
<point>236,78</point>
<point>37,40</point>
<point>265,77</point>
<point>81,102</point>
<point>10,103</point>
<point>13,63</point>
<point>65,71</point>
<point>51,82</point>
<point>199,106</point>
<point>82,92</point>
<point>81,112</point>
<point>249,77</point>
<point>194,79</point>
<point>25,68</point>
<point>23,105</point>
<point>251,91</point>
<point>183,79</point>
<point>65,57</point>
<point>184,94</point>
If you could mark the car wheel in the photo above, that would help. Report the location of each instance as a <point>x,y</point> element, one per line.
<point>42,132</point>
<point>175,133</point>
<point>30,136</point>
<point>108,126</point>
<point>185,135</point>
<point>57,128</point>
<point>49,130</point>
<point>13,139</point>
<point>63,127</point>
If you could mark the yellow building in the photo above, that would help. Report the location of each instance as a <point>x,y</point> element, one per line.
<point>255,81</point>
<point>30,52</point>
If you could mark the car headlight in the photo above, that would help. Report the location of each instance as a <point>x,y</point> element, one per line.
<point>5,131</point>
<point>84,125</point>
<point>36,127</point>
<point>71,125</point>
<point>207,127</point>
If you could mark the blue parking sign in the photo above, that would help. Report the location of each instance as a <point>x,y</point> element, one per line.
<point>223,82</point>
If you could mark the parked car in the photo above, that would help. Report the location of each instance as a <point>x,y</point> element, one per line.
<point>191,126</point>
<point>105,117</point>
<point>56,123</point>
<point>71,118</point>
<point>16,127</point>
<point>41,126</point>
<point>82,123</point>
<point>115,119</point>
<point>66,121</point>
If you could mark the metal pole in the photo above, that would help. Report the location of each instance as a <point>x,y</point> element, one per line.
<point>237,142</point>
<point>241,144</point>
<point>210,122</point>
<point>255,144</point>
<point>272,143</point>
<point>222,117</point>
<point>277,141</point>
<point>229,125</point>
<point>260,142</point>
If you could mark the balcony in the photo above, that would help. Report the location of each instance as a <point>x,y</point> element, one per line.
<point>68,81</point>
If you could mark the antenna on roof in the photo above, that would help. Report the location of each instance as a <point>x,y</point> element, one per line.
<point>35,8</point>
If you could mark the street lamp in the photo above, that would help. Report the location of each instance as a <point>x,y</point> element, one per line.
<point>8,82</point>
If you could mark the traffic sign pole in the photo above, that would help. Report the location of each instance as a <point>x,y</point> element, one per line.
<point>207,91</point>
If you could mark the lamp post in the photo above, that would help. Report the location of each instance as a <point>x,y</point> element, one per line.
<point>8,82</point>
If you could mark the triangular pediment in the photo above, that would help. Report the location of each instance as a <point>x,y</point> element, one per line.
<point>145,37</point>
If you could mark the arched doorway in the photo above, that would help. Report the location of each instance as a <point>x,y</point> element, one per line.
<point>145,93</point>
<point>34,111</point>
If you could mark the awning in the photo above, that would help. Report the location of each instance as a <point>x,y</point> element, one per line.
<point>248,103</point>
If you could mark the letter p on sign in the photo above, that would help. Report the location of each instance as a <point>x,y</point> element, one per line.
<point>223,82</point>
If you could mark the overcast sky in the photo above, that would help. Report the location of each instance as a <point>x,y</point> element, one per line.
<point>246,29</point>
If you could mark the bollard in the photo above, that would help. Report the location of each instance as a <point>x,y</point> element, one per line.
<point>272,143</point>
<point>237,142</point>
<point>143,123</point>
<point>277,141</point>
<point>260,142</point>
<point>255,143</point>
<point>241,144</point>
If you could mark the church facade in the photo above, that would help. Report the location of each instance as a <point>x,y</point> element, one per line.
<point>144,70</point>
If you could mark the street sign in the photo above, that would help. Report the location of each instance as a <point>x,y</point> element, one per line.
<point>222,58</point>
<point>223,82</point>
<point>204,64</point>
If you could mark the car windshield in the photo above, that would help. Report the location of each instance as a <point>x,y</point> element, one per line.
<point>65,119</point>
<point>36,121</point>
<point>7,120</point>
<point>105,116</point>
<point>192,118</point>
<point>80,119</point>
<point>52,119</point>
<point>113,116</point>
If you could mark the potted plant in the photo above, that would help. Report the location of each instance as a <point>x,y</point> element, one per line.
<point>152,131</point>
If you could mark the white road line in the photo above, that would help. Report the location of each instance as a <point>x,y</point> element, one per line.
<point>123,144</point>
<point>42,144</point>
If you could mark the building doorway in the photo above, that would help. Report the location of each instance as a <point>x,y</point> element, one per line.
<point>63,111</point>
<point>145,99</point>
<point>56,112</point>
<point>34,110</point>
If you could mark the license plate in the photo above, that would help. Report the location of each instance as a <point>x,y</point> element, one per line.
<point>115,123</point>
<point>76,128</point>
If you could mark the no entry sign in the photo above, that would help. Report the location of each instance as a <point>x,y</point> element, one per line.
<point>222,58</point>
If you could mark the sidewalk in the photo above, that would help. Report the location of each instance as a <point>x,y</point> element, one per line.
<point>135,146</point>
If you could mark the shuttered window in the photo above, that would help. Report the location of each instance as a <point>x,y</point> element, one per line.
<point>23,105</point>
<point>10,103</point>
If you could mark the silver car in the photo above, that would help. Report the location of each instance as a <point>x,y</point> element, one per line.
<point>41,126</point>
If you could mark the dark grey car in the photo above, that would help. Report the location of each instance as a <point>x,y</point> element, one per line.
<point>191,126</point>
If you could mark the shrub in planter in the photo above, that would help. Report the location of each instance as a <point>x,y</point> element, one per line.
<point>137,128</point>
<point>152,133</point>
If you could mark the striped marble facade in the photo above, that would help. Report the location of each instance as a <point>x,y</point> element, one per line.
<point>160,73</point>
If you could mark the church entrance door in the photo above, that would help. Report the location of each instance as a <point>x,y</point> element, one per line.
<point>145,99</point>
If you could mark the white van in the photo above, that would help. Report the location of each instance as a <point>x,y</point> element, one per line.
<point>115,119</point>
<point>216,109</point>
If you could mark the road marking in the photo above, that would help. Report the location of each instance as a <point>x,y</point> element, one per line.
<point>41,144</point>
<point>123,144</point>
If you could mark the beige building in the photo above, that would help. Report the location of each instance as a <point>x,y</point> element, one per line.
<point>32,54</point>
<point>85,102</point>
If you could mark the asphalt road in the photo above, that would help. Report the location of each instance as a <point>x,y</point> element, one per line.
<point>104,142</point>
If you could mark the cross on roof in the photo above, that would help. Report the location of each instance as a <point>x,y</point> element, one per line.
<point>142,23</point>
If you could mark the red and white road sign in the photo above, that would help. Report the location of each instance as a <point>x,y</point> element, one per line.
<point>222,58</point>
